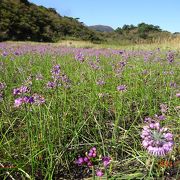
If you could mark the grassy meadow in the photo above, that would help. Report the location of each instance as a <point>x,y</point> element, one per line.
<point>57,101</point>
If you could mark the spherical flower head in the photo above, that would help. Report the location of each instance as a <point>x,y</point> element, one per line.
<point>106,161</point>
<point>121,88</point>
<point>158,141</point>
<point>99,173</point>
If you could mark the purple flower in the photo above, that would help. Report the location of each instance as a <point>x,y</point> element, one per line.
<point>86,159</point>
<point>28,99</point>
<point>56,72</point>
<point>99,173</point>
<point>120,52</point>
<point>4,54</point>
<point>65,79</point>
<point>16,91</point>
<point>79,161</point>
<point>178,95</point>
<point>24,89</point>
<point>161,117</point>
<point>173,84</point>
<point>100,82</point>
<point>18,102</point>
<point>106,161</point>
<point>92,152</point>
<point>56,69</point>
<point>122,64</point>
<point>51,85</point>
<point>89,164</point>
<point>121,88</point>
<point>170,57</point>
<point>168,136</point>
<point>21,90</point>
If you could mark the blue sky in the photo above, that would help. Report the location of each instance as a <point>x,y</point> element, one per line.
<point>116,13</point>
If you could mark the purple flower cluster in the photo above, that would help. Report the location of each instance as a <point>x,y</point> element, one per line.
<point>91,158</point>
<point>79,57</point>
<point>25,98</point>
<point>157,140</point>
<point>106,161</point>
<point>34,99</point>
<point>170,57</point>
<point>88,158</point>
<point>58,77</point>
<point>56,72</point>
<point>21,90</point>
<point>51,84</point>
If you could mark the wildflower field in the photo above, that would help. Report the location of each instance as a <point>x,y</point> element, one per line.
<point>77,113</point>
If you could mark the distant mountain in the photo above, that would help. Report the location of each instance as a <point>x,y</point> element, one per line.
<point>102,28</point>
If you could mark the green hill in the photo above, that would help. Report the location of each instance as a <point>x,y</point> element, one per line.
<point>22,20</point>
